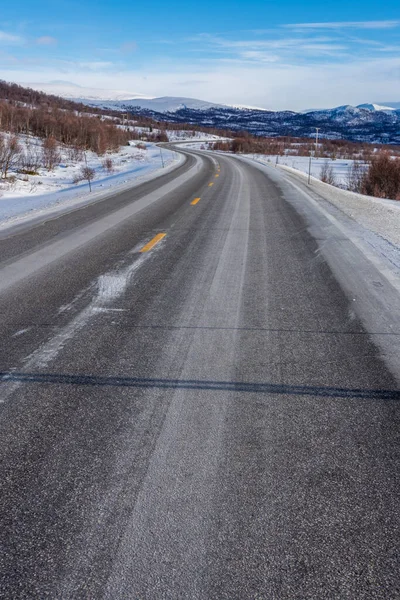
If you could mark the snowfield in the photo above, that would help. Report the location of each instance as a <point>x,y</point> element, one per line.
<point>340,167</point>
<point>192,136</point>
<point>23,197</point>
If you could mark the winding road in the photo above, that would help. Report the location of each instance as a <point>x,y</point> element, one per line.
<point>199,384</point>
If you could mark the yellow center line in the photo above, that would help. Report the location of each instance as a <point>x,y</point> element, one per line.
<point>211,184</point>
<point>195,201</point>
<point>153,242</point>
<point>217,175</point>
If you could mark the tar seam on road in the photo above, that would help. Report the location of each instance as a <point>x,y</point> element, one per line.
<point>267,387</point>
<point>153,242</point>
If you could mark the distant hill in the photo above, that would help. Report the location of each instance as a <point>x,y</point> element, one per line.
<point>369,122</point>
<point>343,122</point>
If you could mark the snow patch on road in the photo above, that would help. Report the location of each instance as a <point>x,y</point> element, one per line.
<point>109,287</point>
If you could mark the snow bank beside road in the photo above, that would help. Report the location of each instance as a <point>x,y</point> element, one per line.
<point>25,201</point>
<point>379,216</point>
<point>376,214</point>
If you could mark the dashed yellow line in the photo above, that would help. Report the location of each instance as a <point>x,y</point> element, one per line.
<point>217,175</point>
<point>211,184</point>
<point>153,242</point>
<point>195,201</point>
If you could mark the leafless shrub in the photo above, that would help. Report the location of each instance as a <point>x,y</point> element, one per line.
<point>108,165</point>
<point>326,174</point>
<point>77,178</point>
<point>75,153</point>
<point>51,154</point>
<point>31,158</point>
<point>33,186</point>
<point>10,152</point>
<point>355,177</point>
<point>88,173</point>
<point>382,179</point>
<point>12,180</point>
<point>85,174</point>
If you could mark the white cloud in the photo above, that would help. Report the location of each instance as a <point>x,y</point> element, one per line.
<point>345,25</point>
<point>256,48</point>
<point>259,56</point>
<point>129,47</point>
<point>9,38</point>
<point>284,69</point>
<point>46,40</point>
<point>276,86</point>
<point>96,65</point>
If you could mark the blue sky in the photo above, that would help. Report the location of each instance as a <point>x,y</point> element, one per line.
<point>289,54</point>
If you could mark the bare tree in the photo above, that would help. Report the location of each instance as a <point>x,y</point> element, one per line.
<point>383,177</point>
<point>10,151</point>
<point>355,177</point>
<point>51,154</point>
<point>108,165</point>
<point>326,174</point>
<point>88,173</point>
<point>31,158</point>
<point>75,153</point>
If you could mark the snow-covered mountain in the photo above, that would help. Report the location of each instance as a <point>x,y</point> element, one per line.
<point>346,122</point>
<point>395,105</point>
<point>123,100</point>
<point>166,104</point>
<point>120,100</point>
<point>368,122</point>
<point>363,112</point>
<point>376,107</point>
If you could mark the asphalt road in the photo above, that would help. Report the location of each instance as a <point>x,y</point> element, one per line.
<point>214,418</point>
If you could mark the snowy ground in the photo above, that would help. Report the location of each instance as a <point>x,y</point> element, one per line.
<point>205,143</point>
<point>179,135</point>
<point>340,167</point>
<point>192,136</point>
<point>29,195</point>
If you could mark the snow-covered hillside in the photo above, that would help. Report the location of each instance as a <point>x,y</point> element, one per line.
<point>369,122</point>
<point>376,107</point>
<point>161,105</point>
<point>120,100</point>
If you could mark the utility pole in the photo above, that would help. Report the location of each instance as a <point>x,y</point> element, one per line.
<point>317,129</point>
<point>125,121</point>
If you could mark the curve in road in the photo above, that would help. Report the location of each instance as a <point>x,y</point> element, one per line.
<point>196,401</point>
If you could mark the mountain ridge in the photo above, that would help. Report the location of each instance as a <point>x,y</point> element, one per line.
<point>369,122</point>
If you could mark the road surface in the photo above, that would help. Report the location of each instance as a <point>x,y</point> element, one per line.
<point>200,397</point>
